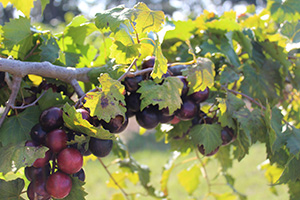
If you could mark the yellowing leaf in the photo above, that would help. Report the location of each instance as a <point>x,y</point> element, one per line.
<point>124,53</point>
<point>189,178</point>
<point>200,75</point>
<point>147,20</point>
<point>24,5</point>
<point>161,63</point>
<point>105,104</point>
<point>118,196</point>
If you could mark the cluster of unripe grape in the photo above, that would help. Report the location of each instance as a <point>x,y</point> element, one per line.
<point>50,176</point>
<point>151,116</point>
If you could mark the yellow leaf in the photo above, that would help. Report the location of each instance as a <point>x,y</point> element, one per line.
<point>24,6</point>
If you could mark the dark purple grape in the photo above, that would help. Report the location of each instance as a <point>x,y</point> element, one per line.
<point>185,87</point>
<point>116,125</point>
<point>37,189</point>
<point>133,102</point>
<point>187,111</point>
<point>80,175</point>
<point>99,147</point>
<point>202,151</point>
<point>85,114</point>
<point>132,83</point>
<point>34,172</point>
<point>176,70</point>
<point>148,118</point>
<point>130,113</point>
<point>51,118</point>
<point>148,62</point>
<point>227,136</point>
<point>166,119</point>
<point>200,96</point>
<point>38,135</point>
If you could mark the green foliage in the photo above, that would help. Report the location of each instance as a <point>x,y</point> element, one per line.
<point>169,97</point>
<point>249,62</point>
<point>11,189</point>
<point>15,156</point>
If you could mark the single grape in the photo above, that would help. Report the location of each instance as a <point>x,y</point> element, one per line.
<point>56,140</point>
<point>34,172</point>
<point>37,189</point>
<point>133,102</point>
<point>51,118</point>
<point>38,135</point>
<point>116,125</point>
<point>148,62</point>
<point>200,96</point>
<point>132,83</point>
<point>59,185</point>
<point>227,136</point>
<point>69,160</point>
<point>99,147</point>
<point>185,87</point>
<point>41,162</point>
<point>187,111</point>
<point>148,118</point>
<point>202,151</point>
<point>85,114</point>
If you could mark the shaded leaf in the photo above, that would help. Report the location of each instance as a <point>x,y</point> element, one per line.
<point>11,189</point>
<point>50,49</point>
<point>168,97</point>
<point>208,135</point>
<point>77,191</point>
<point>50,99</point>
<point>15,156</point>
<point>16,128</point>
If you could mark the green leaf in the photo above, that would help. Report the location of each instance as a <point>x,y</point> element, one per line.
<point>15,156</point>
<point>16,128</point>
<point>43,4</point>
<point>50,99</point>
<point>244,41</point>
<point>233,103</point>
<point>112,18</point>
<point>161,63</point>
<point>208,135</point>
<point>200,75</point>
<point>294,190</point>
<point>293,140</point>
<point>223,156</point>
<point>24,6</point>
<point>11,189</point>
<point>277,53</point>
<point>284,10</point>
<point>168,97</point>
<point>291,171</point>
<point>147,20</point>
<point>228,75</point>
<point>73,120</point>
<point>105,104</point>
<point>189,178</point>
<point>227,49</point>
<point>183,30</point>
<point>124,53</point>
<point>49,49</point>
<point>69,59</point>
<point>17,33</point>
<point>242,145</point>
<point>77,191</point>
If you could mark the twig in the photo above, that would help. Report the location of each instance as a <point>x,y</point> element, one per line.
<point>32,50</point>
<point>112,178</point>
<point>29,105</point>
<point>128,70</point>
<point>77,88</point>
<point>80,100</point>
<point>205,174</point>
<point>14,92</point>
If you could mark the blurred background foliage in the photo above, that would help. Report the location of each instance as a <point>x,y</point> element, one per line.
<point>62,11</point>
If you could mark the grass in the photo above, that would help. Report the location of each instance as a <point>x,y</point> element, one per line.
<point>248,179</point>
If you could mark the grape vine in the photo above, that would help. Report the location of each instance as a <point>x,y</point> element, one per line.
<point>211,87</point>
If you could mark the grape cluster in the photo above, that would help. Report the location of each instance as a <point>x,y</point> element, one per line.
<point>151,116</point>
<point>50,176</point>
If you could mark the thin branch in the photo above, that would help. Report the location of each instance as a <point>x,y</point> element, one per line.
<point>29,105</point>
<point>128,70</point>
<point>112,178</point>
<point>80,100</point>
<point>12,98</point>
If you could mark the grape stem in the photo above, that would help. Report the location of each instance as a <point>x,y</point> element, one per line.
<point>29,105</point>
<point>112,178</point>
<point>12,98</point>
